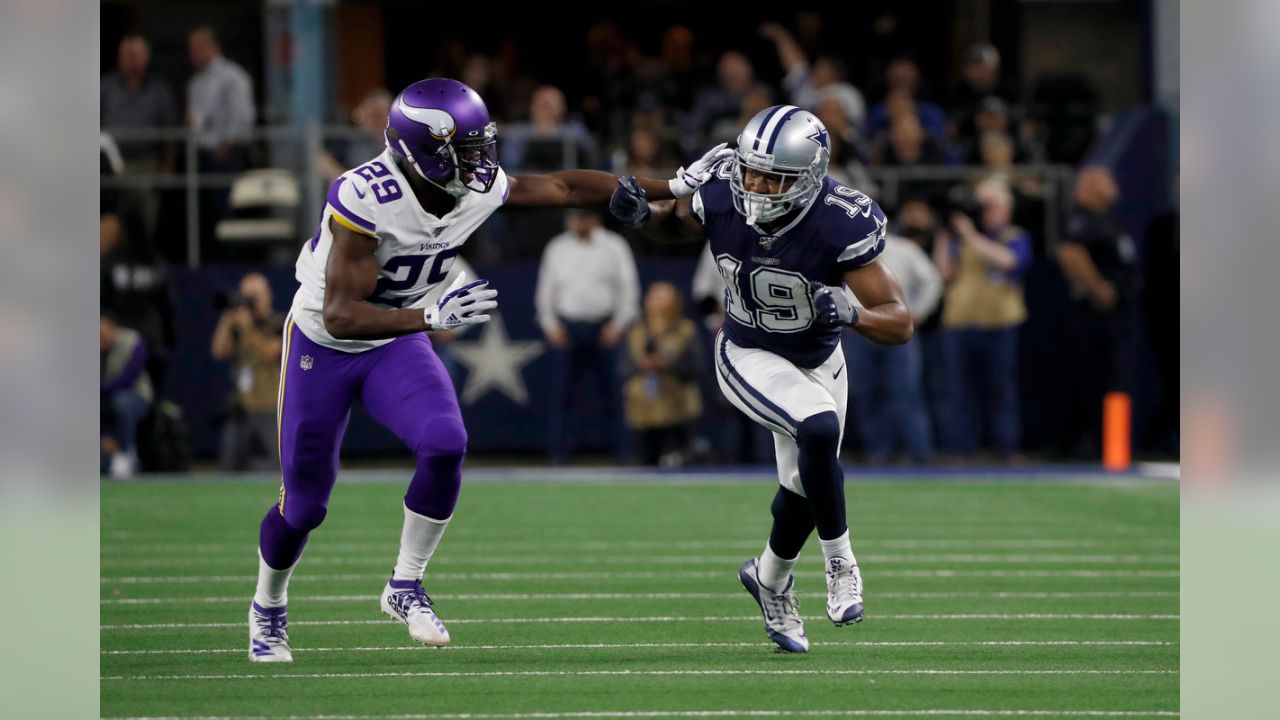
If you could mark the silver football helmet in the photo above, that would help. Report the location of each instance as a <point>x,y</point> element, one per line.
<point>785,141</point>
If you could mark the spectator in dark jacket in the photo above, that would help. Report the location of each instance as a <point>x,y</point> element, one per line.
<point>124,393</point>
<point>1100,261</point>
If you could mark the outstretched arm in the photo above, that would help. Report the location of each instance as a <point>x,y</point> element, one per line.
<point>790,53</point>
<point>574,188</point>
<point>632,205</point>
<point>675,217</point>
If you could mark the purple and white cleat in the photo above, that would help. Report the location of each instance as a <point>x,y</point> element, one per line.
<point>269,634</point>
<point>844,591</point>
<point>406,602</point>
<point>781,610</point>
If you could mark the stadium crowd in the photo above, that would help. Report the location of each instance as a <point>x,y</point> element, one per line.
<point>962,250</point>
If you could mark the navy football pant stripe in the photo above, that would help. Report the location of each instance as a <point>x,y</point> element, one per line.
<point>765,408</point>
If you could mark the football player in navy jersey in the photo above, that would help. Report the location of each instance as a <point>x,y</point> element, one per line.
<point>798,254</point>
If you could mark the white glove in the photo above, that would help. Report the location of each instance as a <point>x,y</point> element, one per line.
<point>687,181</point>
<point>461,305</point>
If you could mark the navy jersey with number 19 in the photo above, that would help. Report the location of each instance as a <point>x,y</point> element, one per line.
<point>767,273</point>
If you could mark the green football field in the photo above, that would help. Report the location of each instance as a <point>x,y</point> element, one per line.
<point>620,599</point>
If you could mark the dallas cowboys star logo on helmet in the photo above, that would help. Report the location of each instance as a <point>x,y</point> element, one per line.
<point>820,136</point>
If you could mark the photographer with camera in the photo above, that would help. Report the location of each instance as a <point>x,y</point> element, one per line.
<point>983,269</point>
<point>249,335</point>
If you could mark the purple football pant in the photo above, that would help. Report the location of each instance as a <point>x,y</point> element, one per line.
<point>403,385</point>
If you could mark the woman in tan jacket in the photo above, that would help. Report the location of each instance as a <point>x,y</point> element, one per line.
<point>661,389</point>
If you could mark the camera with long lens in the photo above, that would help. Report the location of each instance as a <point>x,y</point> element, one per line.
<point>961,199</point>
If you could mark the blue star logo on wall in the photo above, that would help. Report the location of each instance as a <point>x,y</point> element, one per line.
<point>820,136</point>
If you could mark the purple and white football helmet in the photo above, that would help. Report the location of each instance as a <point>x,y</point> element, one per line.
<point>442,128</point>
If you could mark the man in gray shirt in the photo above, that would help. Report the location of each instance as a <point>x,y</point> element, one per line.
<point>219,97</point>
<point>131,98</point>
<point>220,110</point>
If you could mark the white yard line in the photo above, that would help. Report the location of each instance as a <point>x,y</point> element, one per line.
<point>143,547</point>
<point>645,646</point>
<point>527,559</point>
<point>679,618</point>
<point>535,597</point>
<point>629,714</point>
<point>638,575</point>
<point>774,672</point>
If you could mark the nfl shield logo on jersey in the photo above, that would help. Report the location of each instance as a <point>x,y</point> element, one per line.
<point>306,362</point>
<point>767,241</point>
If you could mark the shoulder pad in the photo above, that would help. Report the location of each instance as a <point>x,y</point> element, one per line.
<point>859,224</point>
<point>352,202</point>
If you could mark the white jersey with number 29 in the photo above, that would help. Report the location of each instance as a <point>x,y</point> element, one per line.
<point>415,249</point>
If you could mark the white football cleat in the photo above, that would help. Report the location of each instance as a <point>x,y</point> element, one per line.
<point>123,466</point>
<point>406,602</point>
<point>844,591</point>
<point>782,622</point>
<point>269,634</point>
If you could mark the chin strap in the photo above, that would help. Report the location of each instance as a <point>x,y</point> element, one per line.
<point>454,187</point>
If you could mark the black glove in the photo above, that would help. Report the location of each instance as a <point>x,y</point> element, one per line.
<point>629,203</point>
<point>834,309</point>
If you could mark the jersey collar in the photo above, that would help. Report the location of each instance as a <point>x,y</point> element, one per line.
<point>458,204</point>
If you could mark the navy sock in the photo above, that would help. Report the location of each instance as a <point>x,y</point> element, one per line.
<point>792,524</point>
<point>820,473</point>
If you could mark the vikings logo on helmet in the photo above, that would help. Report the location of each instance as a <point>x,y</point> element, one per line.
<point>438,122</point>
<point>442,129</point>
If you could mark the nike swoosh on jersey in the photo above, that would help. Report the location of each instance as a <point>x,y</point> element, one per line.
<point>357,189</point>
<point>836,374</point>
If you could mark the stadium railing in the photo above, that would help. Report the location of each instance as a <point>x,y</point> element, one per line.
<point>297,149</point>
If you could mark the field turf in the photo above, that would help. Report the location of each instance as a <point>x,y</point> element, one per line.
<point>620,599</point>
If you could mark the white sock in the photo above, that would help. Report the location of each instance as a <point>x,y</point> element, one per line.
<point>418,541</point>
<point>774,570</point>
<point>273,585</point>
<point>838,548</point>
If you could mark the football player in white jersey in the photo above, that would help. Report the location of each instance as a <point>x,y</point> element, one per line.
<point>389,233</point>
